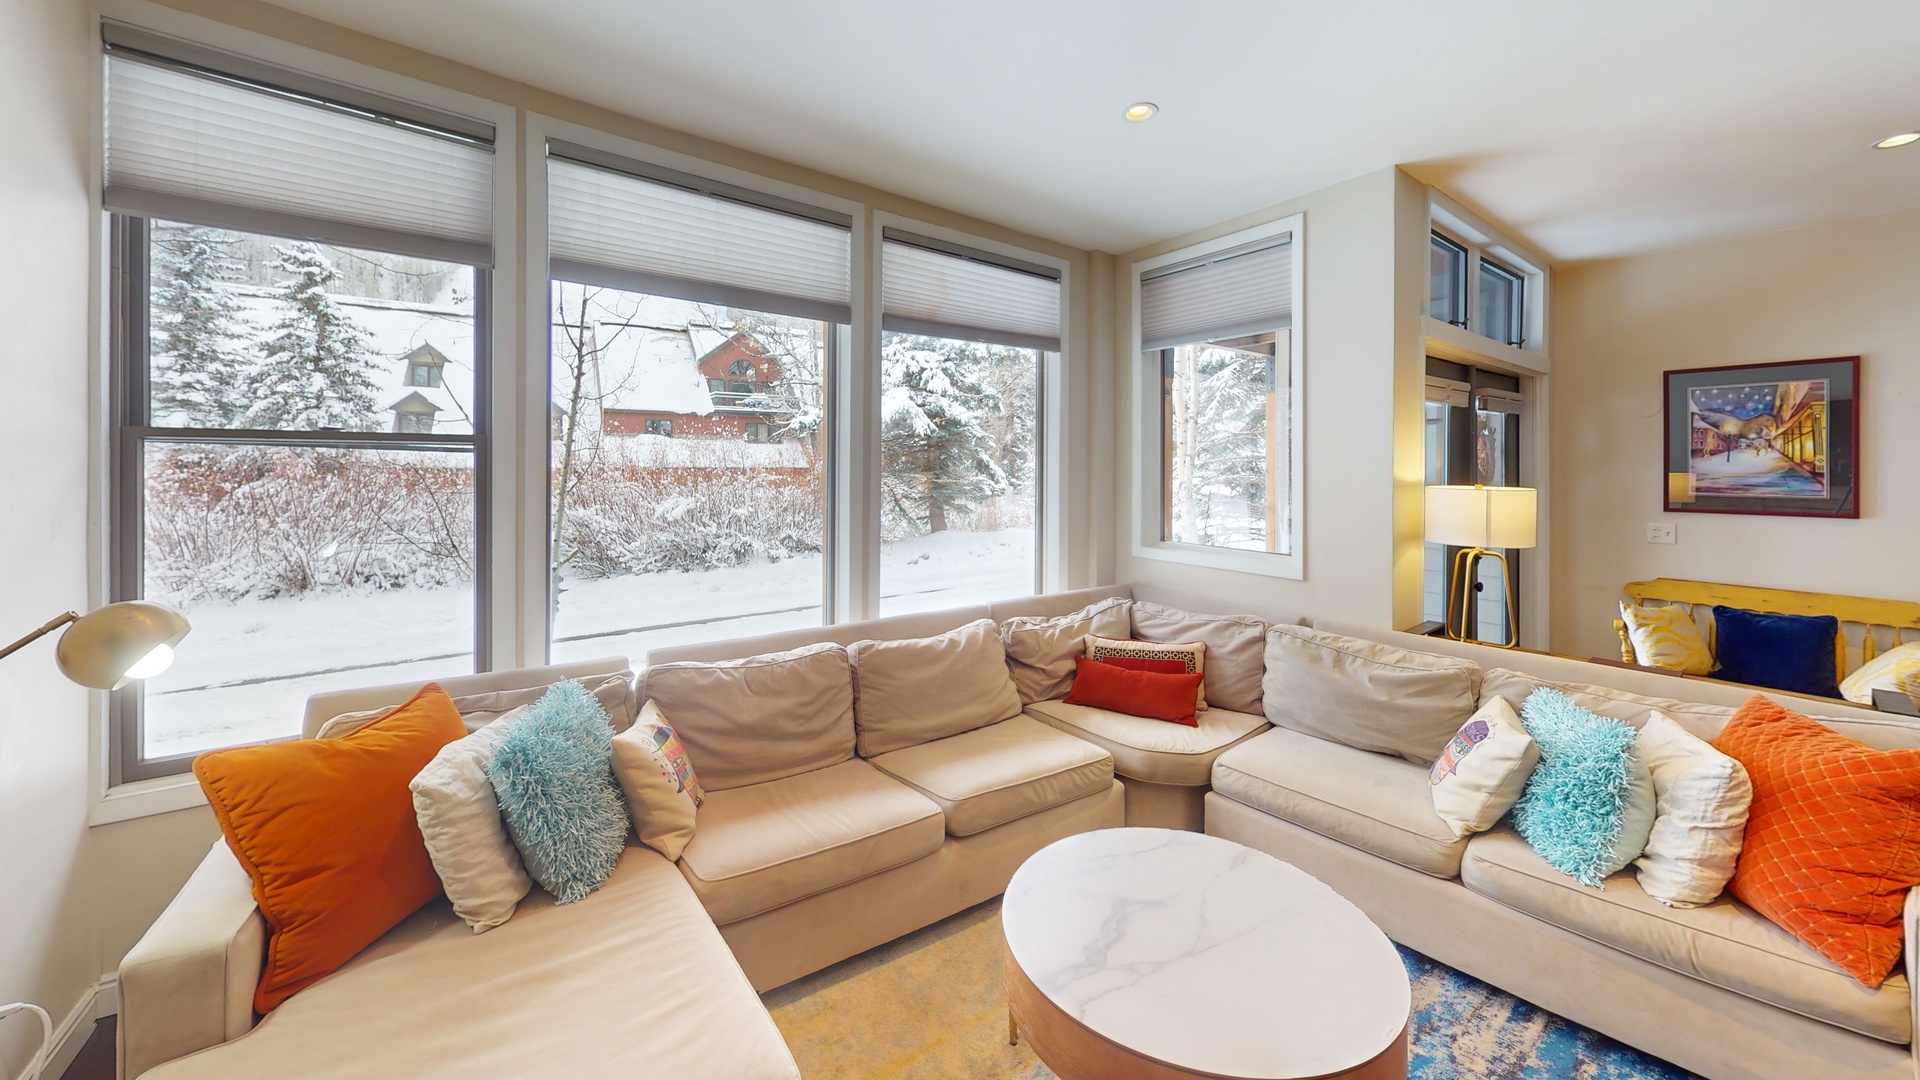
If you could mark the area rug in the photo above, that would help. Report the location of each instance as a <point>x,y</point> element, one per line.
<point>933,1006</point>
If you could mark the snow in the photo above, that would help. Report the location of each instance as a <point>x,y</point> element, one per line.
<point>649,368</point>
<point>245,671</point>
<point>667,452</point>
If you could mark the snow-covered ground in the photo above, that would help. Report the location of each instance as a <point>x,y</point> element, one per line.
<point>245,672</point>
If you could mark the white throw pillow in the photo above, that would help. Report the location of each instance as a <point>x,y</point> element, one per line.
<point>466,839</point>
<point>1896,669</point>
<point>1483,770</point>
<point>1701,799</point>
<point>658,780</point>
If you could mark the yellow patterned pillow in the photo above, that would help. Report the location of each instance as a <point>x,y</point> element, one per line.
<point>1896,669</point>
<point>1666,637</point>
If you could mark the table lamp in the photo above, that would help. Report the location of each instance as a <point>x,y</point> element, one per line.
<point>110,646</point>
<point>1480,520</point>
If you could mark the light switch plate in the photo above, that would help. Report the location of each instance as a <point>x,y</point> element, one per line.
<point>1661,532</point>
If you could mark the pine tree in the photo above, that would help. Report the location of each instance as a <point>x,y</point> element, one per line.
<point>198,374</point>
<point>1219,444</point>
<point>938,454</point>
<point>320,370</point>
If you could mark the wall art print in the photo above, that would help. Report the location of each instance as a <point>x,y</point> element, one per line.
<point>1780,439</point>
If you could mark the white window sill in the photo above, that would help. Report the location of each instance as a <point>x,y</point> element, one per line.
<point>1450,342</point>
<point>146,798</point>
<point>1265,563</point>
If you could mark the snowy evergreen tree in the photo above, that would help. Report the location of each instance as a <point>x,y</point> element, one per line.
<point>198,375</point>
<point>937,451</point>
<point>320,370</point>
<point>1218,467</point>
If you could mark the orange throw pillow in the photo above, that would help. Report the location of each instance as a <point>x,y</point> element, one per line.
<point>326,830</point>
<point>1158,695</point>
<point>1833,839</point>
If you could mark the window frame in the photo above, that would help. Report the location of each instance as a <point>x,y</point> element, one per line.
<point>132,432</point>
<point>1514,334</point>
<point>1149,464</point>
<point>1464,256</point>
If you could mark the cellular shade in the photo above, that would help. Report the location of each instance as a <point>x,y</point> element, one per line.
<point>1246,290</point>
<point>1462,515</point>
<point>612,225</point>
<point>929,287</point>
<point>191,145</point>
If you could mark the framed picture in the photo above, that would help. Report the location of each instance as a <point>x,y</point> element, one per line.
<point>1780,439</point>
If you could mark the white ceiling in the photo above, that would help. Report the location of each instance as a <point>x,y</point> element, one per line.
<point>1592,130</point>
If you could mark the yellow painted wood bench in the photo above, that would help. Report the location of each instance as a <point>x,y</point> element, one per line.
<point>1877,622</point>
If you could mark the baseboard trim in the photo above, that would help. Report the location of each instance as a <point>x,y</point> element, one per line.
<point>101,1000</point>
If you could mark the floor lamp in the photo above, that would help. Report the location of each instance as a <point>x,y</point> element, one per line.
<point>1481,521</point>
<point>105,649</point>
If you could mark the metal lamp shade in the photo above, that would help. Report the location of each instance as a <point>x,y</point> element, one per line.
<point>100,646</point>
<point>1468,516</point>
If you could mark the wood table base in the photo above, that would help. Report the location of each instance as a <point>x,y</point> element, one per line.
<point>1076,1052</point>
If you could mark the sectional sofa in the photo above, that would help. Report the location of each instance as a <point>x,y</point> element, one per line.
<point>869,779</point>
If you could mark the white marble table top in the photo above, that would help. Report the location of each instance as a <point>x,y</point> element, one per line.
<point>1205,955</point>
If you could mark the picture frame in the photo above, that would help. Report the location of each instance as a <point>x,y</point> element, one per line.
<point>1779,439</point>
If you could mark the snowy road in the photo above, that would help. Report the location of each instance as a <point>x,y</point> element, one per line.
<point>245,672</point>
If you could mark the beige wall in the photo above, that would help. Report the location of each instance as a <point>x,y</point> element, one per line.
<point>45,951</point>
<point>1829,290</point>
<point>1363,374</point>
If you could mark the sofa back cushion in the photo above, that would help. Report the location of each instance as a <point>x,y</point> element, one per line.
<point>1236,650</point>
<point>915,690</point>
<point>1367,695</point>
<point>759,718</point>
<point>1041,650</point>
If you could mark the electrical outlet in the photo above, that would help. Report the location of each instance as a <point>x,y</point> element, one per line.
<point>1660,532</point>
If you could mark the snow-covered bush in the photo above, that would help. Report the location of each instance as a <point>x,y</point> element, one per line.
<point>235,522</point>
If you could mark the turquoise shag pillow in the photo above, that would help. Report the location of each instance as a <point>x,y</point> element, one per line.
<point>1579,806</point>
<point>553,774</point>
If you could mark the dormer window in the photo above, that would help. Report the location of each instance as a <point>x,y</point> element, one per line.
<point>414,423</point>
<point>423,373</point>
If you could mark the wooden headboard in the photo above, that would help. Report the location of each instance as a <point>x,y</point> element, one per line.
<point>1879,622</point>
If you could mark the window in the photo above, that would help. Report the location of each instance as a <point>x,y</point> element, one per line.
<point>280,475</point>
<point>1221,368</point>
<point>1502,303</point>
<point>966,335</point>
<point>1447,273</point>
<point>1473,437</point>
<point>659,278</point>
<point>423,374</point>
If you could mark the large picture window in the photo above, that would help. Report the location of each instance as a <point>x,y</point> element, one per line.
<point>694,333</point>
<point>300,284</point>
<point>1222,375</point>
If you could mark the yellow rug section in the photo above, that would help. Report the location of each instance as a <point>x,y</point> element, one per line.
<point>930,1006</point>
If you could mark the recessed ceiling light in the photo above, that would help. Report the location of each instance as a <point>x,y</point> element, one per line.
<point>1144,110</point>
<point>1888,143</point>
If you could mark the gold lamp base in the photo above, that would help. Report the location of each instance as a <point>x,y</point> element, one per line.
<point>1458,599</point>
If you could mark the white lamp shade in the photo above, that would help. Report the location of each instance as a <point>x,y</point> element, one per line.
<point>1461,515</point>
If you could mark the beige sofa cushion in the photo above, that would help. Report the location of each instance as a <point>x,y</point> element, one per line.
<point>765,845</point>
<point>1153,750</point>
<point>634,973</point>
<point>613,692</point>
<point>1041,651</point>
<point>1701,720</point>
<point>992,775</point>
<point>1375,802</point>
<point>1236,650</point>
<point>759,718</point>
<point>1367,695</point>
<point>913,690</point>
<point>1723,943</point>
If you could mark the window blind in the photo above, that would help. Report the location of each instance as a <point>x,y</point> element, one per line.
<point>1241,291</point>
<point>633,226</point>
<point>189,144</point>
<point>943,290</point>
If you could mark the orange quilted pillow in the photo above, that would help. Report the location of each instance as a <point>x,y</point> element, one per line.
<point>326,830</point>
<point>1833,839</point>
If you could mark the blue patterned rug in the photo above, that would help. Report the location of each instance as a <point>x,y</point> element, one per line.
<point>1463,1028</point>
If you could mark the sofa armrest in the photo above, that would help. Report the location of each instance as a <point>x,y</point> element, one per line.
<point>188,984</point>
<point>1912,967</point>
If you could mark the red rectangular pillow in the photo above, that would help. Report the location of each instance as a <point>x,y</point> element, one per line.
<point>1153,694</point>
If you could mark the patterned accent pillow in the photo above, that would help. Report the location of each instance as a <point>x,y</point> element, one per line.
<point>1481,773</point>
<point>1833,839</point>
<point>553,774</point>
<point>658,779</point>
<point>1160,657</point>
<point>1666,637</point>
<point>1896,669</point>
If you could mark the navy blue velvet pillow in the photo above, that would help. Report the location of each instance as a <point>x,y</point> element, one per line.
<point>1780,652</point>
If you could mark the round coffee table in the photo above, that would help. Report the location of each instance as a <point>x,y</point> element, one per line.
<point>1149,953</point>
